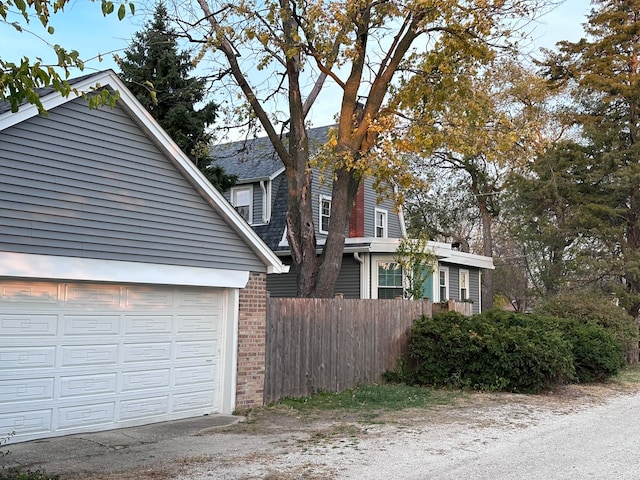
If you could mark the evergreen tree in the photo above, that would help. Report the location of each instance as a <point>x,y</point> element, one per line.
<point>605,68</point>
<point>157,73</point>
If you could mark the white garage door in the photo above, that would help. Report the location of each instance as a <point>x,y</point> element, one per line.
<point>84,357</point>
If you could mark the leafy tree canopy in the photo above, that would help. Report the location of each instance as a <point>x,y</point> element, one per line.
<point>19,82</point>
<point>279,54</point>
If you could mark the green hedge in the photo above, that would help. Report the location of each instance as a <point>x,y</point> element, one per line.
<point>507,351</point>
<point>591,308</point>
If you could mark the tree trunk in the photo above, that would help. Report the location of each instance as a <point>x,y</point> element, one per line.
<point>345,187</point>
<point>487,250</point>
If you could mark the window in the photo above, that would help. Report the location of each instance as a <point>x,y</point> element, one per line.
<point>241,199</point>
<point>443,283</point>
<point>381,223</point>
<point>390,280</point>
<point>324,214</point>
<point>464,284</point>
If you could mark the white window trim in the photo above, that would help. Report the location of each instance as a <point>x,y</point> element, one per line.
<point>321,199</point>
<point>249,188</point>
<point>385,225</point>
<point>461,274</point>
<point>374,273</point>
<point>445,270</point>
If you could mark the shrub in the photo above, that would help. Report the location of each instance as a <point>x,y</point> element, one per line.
<point>588,308</point>
<point>491,351</point>
<point>597,353</point>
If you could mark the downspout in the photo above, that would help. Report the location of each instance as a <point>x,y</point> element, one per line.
<point>403,227</point>
<point>358,258</point>
<point>266,201</point>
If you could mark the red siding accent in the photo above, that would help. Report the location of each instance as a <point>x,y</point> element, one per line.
<point>356,221</point>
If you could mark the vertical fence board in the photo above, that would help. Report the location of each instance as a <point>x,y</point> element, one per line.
<point>333,344</point>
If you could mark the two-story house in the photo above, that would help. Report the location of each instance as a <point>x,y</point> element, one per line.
<point>369,266</point>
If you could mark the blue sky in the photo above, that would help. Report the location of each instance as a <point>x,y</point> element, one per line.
<point>82,27</point>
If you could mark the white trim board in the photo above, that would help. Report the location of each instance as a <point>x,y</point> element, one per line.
<point>24,265</point>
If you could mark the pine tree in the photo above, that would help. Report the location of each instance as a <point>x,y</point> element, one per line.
<point>157,73</point>
<point>605,68</point>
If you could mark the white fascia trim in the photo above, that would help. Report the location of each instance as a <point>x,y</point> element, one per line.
<point>130,103</point>
<point>25,265</point>
<point>442,251</point>
<point>468,259</point>
<point>55,99</point>
<point>276,174</point>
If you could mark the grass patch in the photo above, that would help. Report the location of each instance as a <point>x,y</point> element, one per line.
<point>391,397</point>
<point>629,374</point>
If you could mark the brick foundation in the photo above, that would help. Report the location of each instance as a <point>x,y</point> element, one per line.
<point>251,342</point>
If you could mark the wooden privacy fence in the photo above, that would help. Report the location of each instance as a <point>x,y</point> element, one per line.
<point>317,344</point>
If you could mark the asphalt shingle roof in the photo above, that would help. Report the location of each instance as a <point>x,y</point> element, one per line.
<point>256,159</point>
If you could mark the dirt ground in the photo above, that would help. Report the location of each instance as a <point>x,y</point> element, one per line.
<point>282,444</point>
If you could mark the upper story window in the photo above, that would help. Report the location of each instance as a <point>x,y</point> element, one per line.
<point>242,200</point>
<point>464,284</point>
<point>324,213</point>
<point>443,283</point>
<point>381,230</point>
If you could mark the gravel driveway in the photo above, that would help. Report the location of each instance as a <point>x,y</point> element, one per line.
<point>576,433</point>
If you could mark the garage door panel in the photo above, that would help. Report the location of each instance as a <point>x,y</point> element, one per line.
<point>91,324</point>
<point>82,355</point>
<point>146,297</point>
<point>191,401</point>
<point>28,324</point>
<point>93,297</point>
<point>30,293</point>
<point>196,349</point>
<point>147,352</point>
<point>34,422</point>
<point>197,323</point>
<point>145,379</point>
<point>206,374</point>
<point>106,356</point>
<point>142,408</point>
<point>86,415</point>
<point>87,385</point>
<point>26,390</point>
<point>200,298</point>
<point>27,357</point>
<point>148,324</point>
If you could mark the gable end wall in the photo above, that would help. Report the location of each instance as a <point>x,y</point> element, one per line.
<point>90,184</point>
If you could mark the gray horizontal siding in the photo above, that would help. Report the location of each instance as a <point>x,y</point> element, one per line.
<point>89,183</point>
<point>454,284</point>
<point>284,285</point>
<point>474,288</point>
<point>370,205</point>
<point>348,283</point>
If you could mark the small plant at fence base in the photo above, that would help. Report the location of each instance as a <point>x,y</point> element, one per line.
<point>506,351</point>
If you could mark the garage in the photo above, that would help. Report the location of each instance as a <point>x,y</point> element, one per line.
<point>131,291</point>
<point>80,357</point>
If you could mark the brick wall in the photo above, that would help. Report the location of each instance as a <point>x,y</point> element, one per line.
<point>251,342</point>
